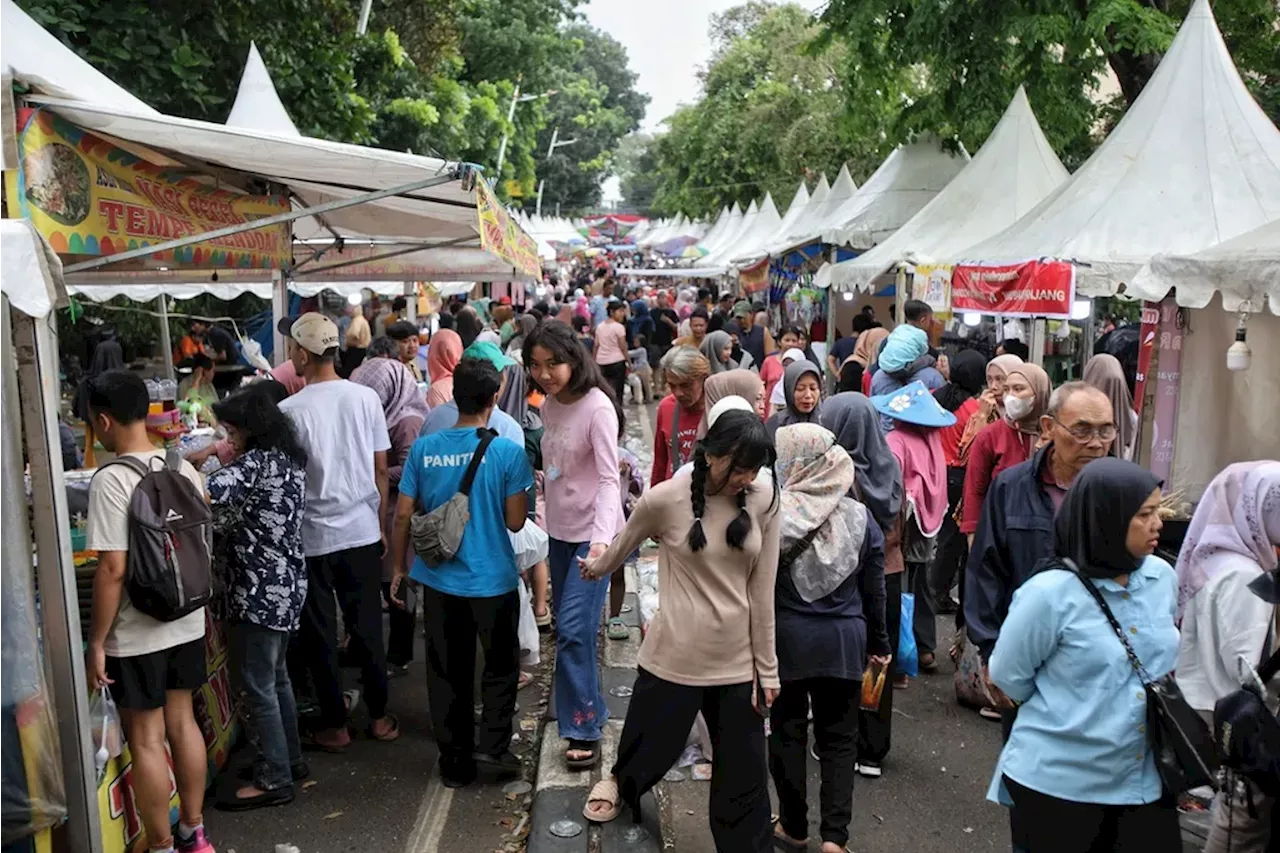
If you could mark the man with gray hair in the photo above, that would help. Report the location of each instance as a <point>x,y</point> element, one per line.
<point>1015,530</point>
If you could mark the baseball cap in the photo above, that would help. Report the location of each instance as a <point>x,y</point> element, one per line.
<point>488,352</point>
<point>742,308</point>
<point>285,325</point>
<point>505,300</point>
<point>315,333</point>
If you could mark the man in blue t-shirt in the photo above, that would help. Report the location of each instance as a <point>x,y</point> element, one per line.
<point>475,593</point>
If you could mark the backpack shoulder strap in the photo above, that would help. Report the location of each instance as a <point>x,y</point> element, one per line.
<point>486,438</point>
<point>139,467</point>
<point>797,548</point>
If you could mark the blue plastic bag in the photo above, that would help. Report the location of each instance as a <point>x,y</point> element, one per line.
<point>908,662</point>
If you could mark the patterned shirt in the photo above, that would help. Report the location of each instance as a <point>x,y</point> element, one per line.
<point>257,519</point>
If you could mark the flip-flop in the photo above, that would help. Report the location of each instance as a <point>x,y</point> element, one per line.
<point>526,678</point>
<point>784,841</point>
<point>617,629</point>
<point>389,736</point>
<point>587,763</point>
<point>310,743</point>
<point>604,791</point>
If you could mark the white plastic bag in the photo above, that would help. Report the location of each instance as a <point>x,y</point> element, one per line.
<point>529,545</point>
<point>108,734</point>
<point>530,652</point>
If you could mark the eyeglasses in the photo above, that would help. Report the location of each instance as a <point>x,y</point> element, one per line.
<point>1085,432</point>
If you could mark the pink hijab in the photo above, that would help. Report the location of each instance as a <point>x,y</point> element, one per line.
<point>443,356</point>
<point>1239,515</point>
<point>924,472</point>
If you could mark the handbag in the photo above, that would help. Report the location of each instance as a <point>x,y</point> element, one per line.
<point>1180,740</point>
<point>1247,732</point>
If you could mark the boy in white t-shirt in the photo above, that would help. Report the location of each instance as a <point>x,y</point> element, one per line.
<point>152,667</point>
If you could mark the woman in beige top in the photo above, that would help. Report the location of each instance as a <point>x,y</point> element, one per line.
<point>710,647</point>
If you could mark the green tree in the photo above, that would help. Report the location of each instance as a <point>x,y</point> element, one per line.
<point>637,169</point>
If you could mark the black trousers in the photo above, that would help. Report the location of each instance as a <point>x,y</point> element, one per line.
<point>1064,826</point>
<point>616,375</point>
<point>1019,832</point>
<point>835,731</point>
<point>354,577</point>
<point>654,735</point>
<point>924,621</point>
<point>953,547</point>
<point>874,727</point>
<point>401,623</point>
<point>453,625</point>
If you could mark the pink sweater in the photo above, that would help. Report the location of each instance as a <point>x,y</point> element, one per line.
<point>580,461</point>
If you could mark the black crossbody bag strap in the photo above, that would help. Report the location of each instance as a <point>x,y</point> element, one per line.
<point>486,438</point>
<point>797,548</point>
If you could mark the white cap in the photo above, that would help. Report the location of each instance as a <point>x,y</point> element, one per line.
<point>728,404</point>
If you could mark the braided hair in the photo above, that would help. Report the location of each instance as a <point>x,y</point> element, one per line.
<point>742,437</point>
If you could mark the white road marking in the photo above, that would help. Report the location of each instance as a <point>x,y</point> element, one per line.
<point>433,814</point>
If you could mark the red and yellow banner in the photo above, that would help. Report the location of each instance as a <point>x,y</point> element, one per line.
<point>502,236</point>
<point>754,279</point>
<point>87,196</point>
<point>1029,289</point>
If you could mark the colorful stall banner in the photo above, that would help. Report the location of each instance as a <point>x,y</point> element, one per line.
<point>1146,347</point>
<point>502,236</point>
<point>932,284</point>
<point>1029,289</point>
<point>88,197</point>
<point>215,712</point>
<point>755,278</point>
<point>1168,386</point>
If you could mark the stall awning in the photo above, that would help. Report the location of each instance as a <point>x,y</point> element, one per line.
<point>30,272</point>
<point>1245,269</point>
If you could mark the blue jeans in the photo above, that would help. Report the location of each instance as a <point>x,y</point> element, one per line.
<point>270,715</point>
<point>580,706</point>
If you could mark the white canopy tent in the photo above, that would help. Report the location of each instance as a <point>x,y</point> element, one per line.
<point>756,231</point>
<point>727,231</point>
<point>718,257</point>
<point>906,181</point>
<point>1245,269</point>
<point>1194,162</point>
<point>752,252</point>
<point>1012,172</point>
<point>257,105</point>
<point>817,214</point>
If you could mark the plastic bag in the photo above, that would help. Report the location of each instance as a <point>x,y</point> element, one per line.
<point>108,734</point>
<point>971,690</point>
<point>530,545</point>
<point>527,631</point>
<point>908,662</point>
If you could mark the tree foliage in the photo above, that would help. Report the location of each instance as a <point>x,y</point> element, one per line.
<point>430,76</point>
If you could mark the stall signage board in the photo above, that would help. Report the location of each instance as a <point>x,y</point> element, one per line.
<point>1028,289</point>
<point>502,236</point>
<point>87,196</point>
<point>754,279</point>
<point>931,284</point>
<point>1168,386</point>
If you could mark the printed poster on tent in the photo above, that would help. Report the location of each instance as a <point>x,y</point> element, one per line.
<point>501,236</point>
<point>1027,289</point>
<point>89,197</point>
<point>931,284</point>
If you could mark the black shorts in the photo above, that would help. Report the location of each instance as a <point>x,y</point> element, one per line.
<point>140,682</point>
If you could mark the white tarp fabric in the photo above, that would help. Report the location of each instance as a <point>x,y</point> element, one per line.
<point>36,58</point>
<point>730,228</point>
<point>906,181</point>
<point>714,233</point>
<point>756,225</point>
<point>30,272</point>
<point>258,105</point>
<point>1194,162</point>
<point>148,292</point>
<point>753,251</point>
<point>1244,269</point>
<point>675,272</point>
<point>818,214</point>
<point>1223,416</point>
<point>1013,172</point>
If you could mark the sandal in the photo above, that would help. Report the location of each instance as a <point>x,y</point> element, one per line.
<point>929,663</point>
<point>588,746</point>
<point>617,629</point>
<point>526,678</point>
<point>389,735</point>
<point>604,791</point>
<point>543,621</point>
<point>786,842</point>
<point>312,743</point>
<point>990,713</point>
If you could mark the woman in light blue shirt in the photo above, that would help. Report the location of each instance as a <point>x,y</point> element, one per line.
<point>1078,765</point>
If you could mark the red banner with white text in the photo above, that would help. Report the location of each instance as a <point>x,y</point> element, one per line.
<point>1029,289</point>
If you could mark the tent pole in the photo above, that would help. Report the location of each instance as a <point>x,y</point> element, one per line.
<point>402,250</point>
<point>411,300</point>
<point>279,309</point>
<point>32,384</point>
<point>166,345</point>
<point>253,225</point>
<point>1038,325</point>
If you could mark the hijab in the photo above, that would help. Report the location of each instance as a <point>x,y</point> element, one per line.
<point>867,350</point>
<point>1105,373</point>
<point>856,426</point>
<point>815,475</point>
<point>924,473</point>
<point>514,399</point>
<point>711,346</point>
<point>786,359</point>
<point>729,383</point>
<point>525,325</point>
<point>1092,524</point>
<point>1040,384</point>
<point>1004,363</point>
<point>790,379</point>
<point>968,376</point>
<point>396,389</point>
<point>1238,516</point>
<point>442,358</point>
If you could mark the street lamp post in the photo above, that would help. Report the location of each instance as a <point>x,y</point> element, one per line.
<point>516,98</point>
<point>556,142</point>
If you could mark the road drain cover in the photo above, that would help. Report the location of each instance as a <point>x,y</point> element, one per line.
<point>622,691</point>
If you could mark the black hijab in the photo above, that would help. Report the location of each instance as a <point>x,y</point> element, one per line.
<point>1093,522</point>
<point>968,375</point>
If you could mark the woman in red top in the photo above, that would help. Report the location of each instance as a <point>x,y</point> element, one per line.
<point>1008,441</point>
<point>960,397</point>
<point>685,369</point>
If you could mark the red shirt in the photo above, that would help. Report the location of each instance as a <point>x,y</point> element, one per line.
<point>997,447</point>
<point>770,375</point>
<point>688,429</point>
<point>951,435</point>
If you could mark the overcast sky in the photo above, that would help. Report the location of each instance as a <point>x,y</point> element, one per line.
<point>667,42</point>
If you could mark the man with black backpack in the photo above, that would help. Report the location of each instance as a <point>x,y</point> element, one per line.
<point>152,529</point>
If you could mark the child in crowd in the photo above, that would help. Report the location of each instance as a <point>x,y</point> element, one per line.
<point>640,379</point>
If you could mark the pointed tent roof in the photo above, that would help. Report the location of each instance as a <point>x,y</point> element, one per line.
<point>906,181</point>
<point>730,228</point>
<point>258,105</point>
<point>1012,172</point>
<point>1194,162</point>
<point>713,233</point>
<point>38,59</point>
<point>764,223</point>
<point>808,228</point>
<point>1244,268</point>
<point>716,256</point>
<point>757,249</point>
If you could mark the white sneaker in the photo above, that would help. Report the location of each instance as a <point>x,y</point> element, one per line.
<point>871,771</point>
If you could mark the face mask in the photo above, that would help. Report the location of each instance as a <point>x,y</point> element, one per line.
<point>1016,408</point>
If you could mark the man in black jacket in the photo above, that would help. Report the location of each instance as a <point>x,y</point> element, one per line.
<point>1015,530</point>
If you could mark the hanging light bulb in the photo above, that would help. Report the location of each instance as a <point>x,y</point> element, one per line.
<point>1239,356</point>
<point>972,318</point>
<point>354,299</point>
<point>848,296</point>
<point>1081,309</point>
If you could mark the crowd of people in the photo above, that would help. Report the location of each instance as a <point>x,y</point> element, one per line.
<point>793,504</point>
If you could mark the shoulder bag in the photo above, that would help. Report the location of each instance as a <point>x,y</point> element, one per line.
<point>437,535</point>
